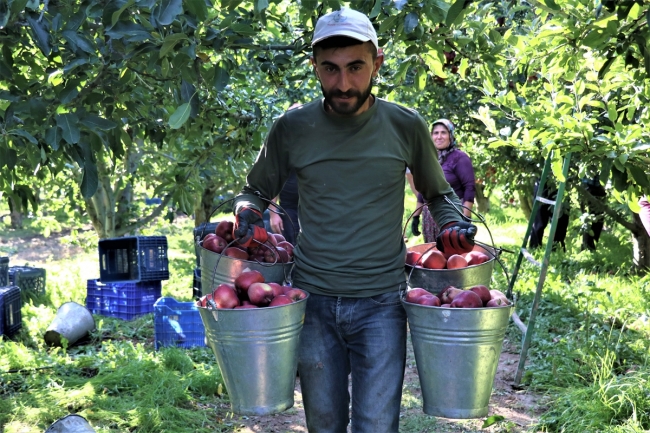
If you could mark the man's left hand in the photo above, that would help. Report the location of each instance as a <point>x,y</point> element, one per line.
<point>456,238</point>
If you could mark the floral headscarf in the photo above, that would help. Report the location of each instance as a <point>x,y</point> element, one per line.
<point>442,154</point>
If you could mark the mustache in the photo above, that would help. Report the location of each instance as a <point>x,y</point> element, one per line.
<point>348,94</point>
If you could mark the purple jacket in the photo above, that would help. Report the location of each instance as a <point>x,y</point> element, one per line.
<point>460,175</point>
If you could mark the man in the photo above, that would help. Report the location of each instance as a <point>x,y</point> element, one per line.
<point>350,151</point>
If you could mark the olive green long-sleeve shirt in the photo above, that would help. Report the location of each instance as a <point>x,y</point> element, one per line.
<point>351,187</point>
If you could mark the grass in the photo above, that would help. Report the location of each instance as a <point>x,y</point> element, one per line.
<point>590,346</point>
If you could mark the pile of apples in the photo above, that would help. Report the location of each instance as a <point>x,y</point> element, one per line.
<point>275,249</point>
<point>251,291</point>
<point>452,297</point>
<point>434,259</point>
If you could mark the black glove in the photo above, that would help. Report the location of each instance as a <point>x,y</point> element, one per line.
<point>456,238</point>
<point>249,227</point>
<point>415,225</point>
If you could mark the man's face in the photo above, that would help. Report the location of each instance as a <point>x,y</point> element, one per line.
<point>345,76</point>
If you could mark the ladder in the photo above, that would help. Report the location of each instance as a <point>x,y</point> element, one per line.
<point>524,253</point>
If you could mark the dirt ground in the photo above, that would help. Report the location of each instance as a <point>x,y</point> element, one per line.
<point>518,406</point>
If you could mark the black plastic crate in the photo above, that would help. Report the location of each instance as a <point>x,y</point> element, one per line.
<point>125,301</point>
<point>177,324</point>
<point>10,315</point>
<point>133,259</point>
<point>30,280</point>
<point>4,271</point>
<point>196,284</point>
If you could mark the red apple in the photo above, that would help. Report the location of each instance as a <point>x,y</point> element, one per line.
<point>277,289</point>
<point>494,293</point>
<point>497,302</point>
<point>467,299</point>
<point>429,300</point>
<point>246,278</point>
<point>286,289</point>
<point>287,246</point>
<point>242,307</point>
<point>296,294</point>
<point>483,293</point>
<point>446,305</point>
<point>279,238</point>
<point>456,261</point>
<point>225,296</point>
<point>476,258</point>
<point>272,240</point>
<point>434,259</point>
<point>224,229</point>
<point>275,255</point>
<point>280,300</point>
<point>260,294</point>
<point>235,253</point>
<point>450,294</point>
<point>413,258</point>
<point>214,243</point>
<point>414,294</point>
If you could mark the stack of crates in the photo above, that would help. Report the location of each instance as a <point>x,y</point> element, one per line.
<point>131,273</point>
<point>10,302</point>
<point>30,280</point>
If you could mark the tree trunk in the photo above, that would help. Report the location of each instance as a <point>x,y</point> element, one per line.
<point>482,200</point>
<point>204,208</point>
<point>641,245</point>
<point>525,202</point>
<point>16,213</point>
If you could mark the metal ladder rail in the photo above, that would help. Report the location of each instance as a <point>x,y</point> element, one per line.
<point>529,330</point>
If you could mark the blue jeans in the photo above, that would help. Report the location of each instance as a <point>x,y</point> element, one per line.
<point>361,337</point>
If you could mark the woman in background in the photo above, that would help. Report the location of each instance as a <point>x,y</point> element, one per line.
<point>459,172</point>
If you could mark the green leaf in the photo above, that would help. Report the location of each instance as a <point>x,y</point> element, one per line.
<point>491,420</point>
<point>40,34</point>
<point>53,137</point>
<point>116,15</point>
<point>24,134</point>
<point>639,175</point>
<point>376,9</point>
<point>243,29</point>
<point>420,79</point>
<point>17,6</point>
<point>551,4</point>
<point>180,116</point>
<point>611,111</point>
<point>221,78</point>
<point>387,24</point>
<point>170,42</point>
<point>68,124</point>
<point>454,11</point>
<point>603,69</point>
<point>96,122</point>
<point>411,21</point>
<point>168,11</point>
<point>198,9</point>
<point>90,180</point>
<point>78,40</point>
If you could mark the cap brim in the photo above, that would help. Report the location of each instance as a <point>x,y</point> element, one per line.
<point>353,35</point>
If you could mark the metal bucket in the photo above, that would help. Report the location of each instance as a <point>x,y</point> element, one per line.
<point>457,352</point>
<point>217,269</point>
<point>72,321</point>
<point>257,352</point>
<point>436,280</point>
<point>70,424</point>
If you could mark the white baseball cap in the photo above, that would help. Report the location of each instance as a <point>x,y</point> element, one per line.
<point>345,22</point>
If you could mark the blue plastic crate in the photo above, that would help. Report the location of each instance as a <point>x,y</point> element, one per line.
<point>30,280</point>
<point>4,271</point>
<point>125,301</point>
<point>177,324</point>
<point>10,315</point>
<point>133,259</point>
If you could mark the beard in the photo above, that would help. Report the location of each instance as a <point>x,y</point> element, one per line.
<point>346,108</point>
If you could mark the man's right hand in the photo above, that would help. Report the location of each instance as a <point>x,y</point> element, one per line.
<point>249,227</point>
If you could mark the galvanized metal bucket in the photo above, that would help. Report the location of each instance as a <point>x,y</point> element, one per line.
<point>436,280</point>
<point>257,352</point>
<point>457,352</point>
<point>217,269</point>
<point>70,424</point>
<point>72,321</point>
